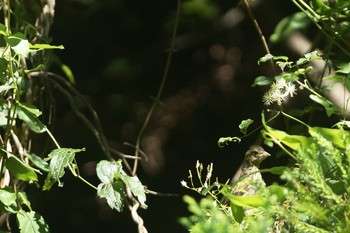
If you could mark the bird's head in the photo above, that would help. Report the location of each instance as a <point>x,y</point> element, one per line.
<point>255,155</point>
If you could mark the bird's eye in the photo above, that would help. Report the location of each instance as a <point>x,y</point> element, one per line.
<point>255,152</point>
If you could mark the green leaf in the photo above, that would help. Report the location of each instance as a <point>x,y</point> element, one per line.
<point>333,135</point>
<point>330,109</point>
<point>294,142</point>
<point>60,158</point>
<point>244,125</point>
<point>114,194</point>
<point>262,81</point>
<point>343,68</point>
<point>106,170</point>
<point>20,169</point>
<point>23,199</point>
<point>19,43</point>
<point>31,119</point>
<point>38,162</point>
<point>237,212</point>
<point>297,21</point>
<point>265,58</point>
<point>136,187</point>
<point>30,108</point>
<point>243,201</point>
<point>45,46</point>
<point>3,29</point>
<point>31,222</point>
<point>7,197</point>
<point>68,72</point>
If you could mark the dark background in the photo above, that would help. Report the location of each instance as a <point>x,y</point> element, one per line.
<point>117,51</point>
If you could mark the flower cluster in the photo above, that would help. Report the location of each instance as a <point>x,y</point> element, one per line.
<point>279,90</point>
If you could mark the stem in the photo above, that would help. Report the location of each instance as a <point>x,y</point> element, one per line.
<point>258,29</point>
<point>160,90</point>
<point>52,137</point>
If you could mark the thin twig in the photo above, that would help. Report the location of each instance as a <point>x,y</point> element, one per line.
<point>261,35</point>
<point>161,87</point>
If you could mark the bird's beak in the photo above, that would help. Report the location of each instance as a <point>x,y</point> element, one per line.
<point>266,154</point>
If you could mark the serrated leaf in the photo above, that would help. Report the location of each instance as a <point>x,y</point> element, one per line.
<point>106,170</point>
<point>38,162</point>
<point>31,222</point>
<point>20,169</point>
<point>265,58</point>
<point>136,187</point>
<point>60,158</point>
<point>114,194</point>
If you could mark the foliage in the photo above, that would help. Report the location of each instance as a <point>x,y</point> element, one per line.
<point>313,193</point>
<point>23,70</point>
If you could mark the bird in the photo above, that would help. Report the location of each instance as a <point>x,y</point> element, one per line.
<point>250,178</point>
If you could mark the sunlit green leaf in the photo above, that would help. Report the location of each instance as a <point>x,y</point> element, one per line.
<point>106,170</point>
<point>31,222</point>
<point>333,135</point>
<point>243,201</point>
<point>265,58</point>
<point>7,197</point>
<point>294,142</point>
<point>60,159</point>
<point>20,169</point>
<point>136,187</point>
<point>18,43</point>
<point>45,46</point>
<point>114,194</point>
<point>343,68</point>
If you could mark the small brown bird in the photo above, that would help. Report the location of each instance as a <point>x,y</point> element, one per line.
<point>250,178</point>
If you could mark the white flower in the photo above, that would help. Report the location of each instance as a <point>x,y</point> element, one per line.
<point>184,183</point>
